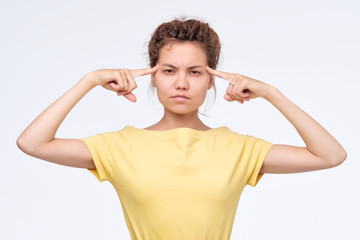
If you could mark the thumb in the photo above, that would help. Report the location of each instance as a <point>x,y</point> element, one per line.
<point>130,96</point>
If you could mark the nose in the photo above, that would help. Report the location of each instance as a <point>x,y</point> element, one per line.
<point>181,82</point>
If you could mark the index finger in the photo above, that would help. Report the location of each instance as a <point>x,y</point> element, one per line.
<point>143,72</point>
<point>220,74</point>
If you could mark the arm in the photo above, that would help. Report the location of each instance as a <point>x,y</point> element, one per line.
<point>321,151</point>
<point>38,139</point>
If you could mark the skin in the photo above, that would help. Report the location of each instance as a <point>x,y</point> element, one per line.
<point>176,74</point>
<point>182,70</point>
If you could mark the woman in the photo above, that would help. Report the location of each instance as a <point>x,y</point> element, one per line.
<point>178,178</point>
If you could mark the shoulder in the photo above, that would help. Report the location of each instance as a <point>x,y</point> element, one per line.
<point>108,135</point>
<point>242,139</point>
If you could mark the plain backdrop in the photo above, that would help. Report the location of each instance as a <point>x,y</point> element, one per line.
<point>308,49</point>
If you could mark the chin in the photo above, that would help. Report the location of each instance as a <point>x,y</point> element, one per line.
<point>181,110</point>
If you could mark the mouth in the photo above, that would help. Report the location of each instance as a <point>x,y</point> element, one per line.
<point>179,96</point>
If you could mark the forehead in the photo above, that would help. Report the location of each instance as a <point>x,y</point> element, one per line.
<point>182,53</point>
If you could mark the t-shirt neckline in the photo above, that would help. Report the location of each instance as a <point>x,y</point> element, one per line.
<point>177,131</point>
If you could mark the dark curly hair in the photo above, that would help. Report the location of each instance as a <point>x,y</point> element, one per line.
<point>181,30</point>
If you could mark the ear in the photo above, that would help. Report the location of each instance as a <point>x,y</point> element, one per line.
<point>211,81</point>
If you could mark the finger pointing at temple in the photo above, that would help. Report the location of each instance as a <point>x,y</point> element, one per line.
<point>220,74</point>
<point>143,72</point>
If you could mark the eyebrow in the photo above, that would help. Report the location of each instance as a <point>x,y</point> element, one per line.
<point>192,67</point>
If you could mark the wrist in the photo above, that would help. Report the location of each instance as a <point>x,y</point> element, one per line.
<point>88,80</point>
<point>271,93</point>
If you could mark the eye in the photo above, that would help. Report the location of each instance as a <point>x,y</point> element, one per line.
<point>194,72</point>
<point>169,71</point>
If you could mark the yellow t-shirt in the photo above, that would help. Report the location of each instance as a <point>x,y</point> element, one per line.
<point>180,183</point>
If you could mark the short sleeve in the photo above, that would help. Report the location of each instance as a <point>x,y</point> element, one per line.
<point>105,153</point>
<point>257,150</point>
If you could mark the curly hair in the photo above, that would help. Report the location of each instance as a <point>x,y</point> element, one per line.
<point>181,30</point>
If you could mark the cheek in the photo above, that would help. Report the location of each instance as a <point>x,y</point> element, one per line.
<point>163,86</point>
<point>160,81</point>
<point>201,83</point>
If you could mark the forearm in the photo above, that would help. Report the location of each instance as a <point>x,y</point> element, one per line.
<point>43,129</point>
<point>317,140</point>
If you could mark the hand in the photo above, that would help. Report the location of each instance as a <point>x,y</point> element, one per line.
<point>120,81</point>
<point>244,88</point>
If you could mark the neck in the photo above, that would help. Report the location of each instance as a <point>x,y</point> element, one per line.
<point>172,120</point>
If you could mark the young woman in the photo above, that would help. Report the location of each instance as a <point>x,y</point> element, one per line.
<point>178,178</point>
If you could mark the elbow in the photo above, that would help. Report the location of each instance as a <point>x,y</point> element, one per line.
<point>20,143</point>
<point>338,158</point>
<point>25,146</point>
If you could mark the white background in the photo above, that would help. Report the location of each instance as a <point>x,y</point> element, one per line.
<point>307,49</point>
